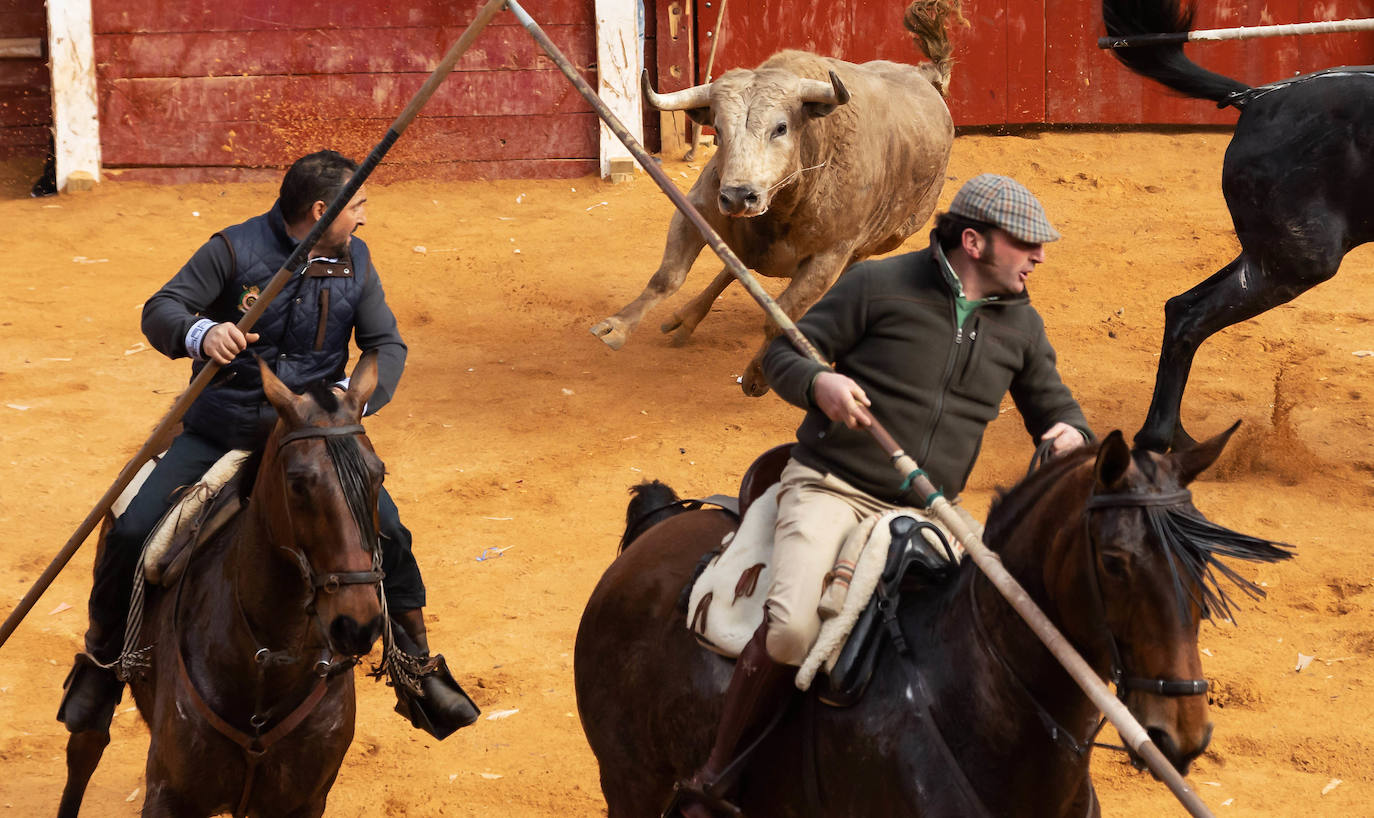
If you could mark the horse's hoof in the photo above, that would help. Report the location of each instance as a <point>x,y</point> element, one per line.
<point>611,333</point>
<point>1150,440</point>
<point>671,324</point>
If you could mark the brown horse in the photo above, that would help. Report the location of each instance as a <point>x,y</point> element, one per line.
<point>979,720</point>
<point>248,689</point>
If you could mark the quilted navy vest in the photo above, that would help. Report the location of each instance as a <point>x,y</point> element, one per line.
<point>303,334</point>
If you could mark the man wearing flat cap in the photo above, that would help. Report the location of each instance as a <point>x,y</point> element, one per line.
<point>929,343</point>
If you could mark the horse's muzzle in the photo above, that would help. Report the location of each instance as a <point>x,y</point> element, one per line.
<point>350,638</point>
<point>1180,759</point>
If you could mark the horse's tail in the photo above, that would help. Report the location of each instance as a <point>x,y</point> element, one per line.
<point>925,19</point>
<point>1166,64</point>
<point>651,503</point>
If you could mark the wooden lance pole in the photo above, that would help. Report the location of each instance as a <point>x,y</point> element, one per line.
<point>1130,730</point>
<point>159,438</point>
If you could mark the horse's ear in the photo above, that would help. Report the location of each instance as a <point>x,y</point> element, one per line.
<point>278,394</point>
<point>1113,461</point>
<point>364,379</point>
<point>1195,459</point>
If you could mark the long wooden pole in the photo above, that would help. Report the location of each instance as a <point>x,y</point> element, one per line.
<point>991,565</point>
<point>159,438</point>
<point>1241,33</point>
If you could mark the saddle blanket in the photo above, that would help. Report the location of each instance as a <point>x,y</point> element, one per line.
<point>726,603</point>
<point>179,520</point>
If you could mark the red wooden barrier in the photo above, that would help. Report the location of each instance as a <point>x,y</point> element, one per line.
<point>25,98</point>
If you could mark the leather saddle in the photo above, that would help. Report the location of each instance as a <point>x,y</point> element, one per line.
<point>911,567</point>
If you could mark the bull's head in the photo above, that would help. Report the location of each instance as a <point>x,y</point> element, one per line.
<point>759,116</point>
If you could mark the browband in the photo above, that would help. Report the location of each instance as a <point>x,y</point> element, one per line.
<point>320,431</point>
<point>1131,498</point>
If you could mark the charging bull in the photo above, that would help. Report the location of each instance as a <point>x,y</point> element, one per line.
<point>821,163</point>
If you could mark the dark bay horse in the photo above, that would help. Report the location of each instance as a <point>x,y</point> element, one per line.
<point>248,689</point>
<point>1296,178</point>
<point>981,721</point>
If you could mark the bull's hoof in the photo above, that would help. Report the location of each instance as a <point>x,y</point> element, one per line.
<point>611,332</point>
<point>682,332</point>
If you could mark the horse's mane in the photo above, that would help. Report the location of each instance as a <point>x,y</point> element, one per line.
<point>356,481</point>
<point>348,461</point>
<point>1011,504</point>
<point>1194,545</point>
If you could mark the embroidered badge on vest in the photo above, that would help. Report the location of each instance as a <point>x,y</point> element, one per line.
<point>249,298</point>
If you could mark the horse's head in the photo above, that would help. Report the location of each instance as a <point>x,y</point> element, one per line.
<point>1133,583</point>
<point>318,486</point>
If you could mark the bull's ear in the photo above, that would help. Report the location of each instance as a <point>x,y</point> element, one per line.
<point>1195,459</point>
<point>821,98</point>
<point>701,116</point>
<point>1113,461</point>
<point>816,110</point>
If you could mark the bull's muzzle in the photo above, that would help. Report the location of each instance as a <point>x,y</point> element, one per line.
<point>740,200</point>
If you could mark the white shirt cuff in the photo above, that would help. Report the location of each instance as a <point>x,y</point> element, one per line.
<point>195,335</point>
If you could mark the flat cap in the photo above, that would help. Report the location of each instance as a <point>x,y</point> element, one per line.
<point>1006,203</point>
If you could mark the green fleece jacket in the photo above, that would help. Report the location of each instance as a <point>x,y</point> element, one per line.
<point>890,325</point>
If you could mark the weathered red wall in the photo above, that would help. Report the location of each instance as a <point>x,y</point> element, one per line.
<point>25,97</point>
<point>1037,61</point>
<point>257,83</point>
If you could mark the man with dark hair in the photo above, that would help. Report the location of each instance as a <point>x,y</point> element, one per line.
<point>304,337</point>
<point>928,343</point>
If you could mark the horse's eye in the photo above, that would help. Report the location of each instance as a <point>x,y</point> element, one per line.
<point>780,130</point>
<point>299,484</point>
<point>1115,565</point>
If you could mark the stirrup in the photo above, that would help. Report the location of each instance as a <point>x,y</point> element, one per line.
<point>685,792</point>
<point>439,719</point>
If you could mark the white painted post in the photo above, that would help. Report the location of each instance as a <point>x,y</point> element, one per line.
<point>76,124</point>
<point>619,61</point>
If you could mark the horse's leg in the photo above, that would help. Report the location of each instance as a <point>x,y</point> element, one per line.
<point>1246,287</point>
<point>84,750</point>
<point>683,247</point>
<point>685,320</point>
<point>813,277</point>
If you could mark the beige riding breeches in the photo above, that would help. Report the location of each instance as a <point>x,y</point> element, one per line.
<point>816,512</point>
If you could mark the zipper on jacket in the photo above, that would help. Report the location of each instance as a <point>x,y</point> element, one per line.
<point>944,387</point>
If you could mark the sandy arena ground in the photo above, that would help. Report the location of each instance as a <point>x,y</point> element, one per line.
<point>517,429</point>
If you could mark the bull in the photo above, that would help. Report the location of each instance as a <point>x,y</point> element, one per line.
<point>821,163</point>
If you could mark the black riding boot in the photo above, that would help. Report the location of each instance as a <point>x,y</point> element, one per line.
<point>442,707</point>
<point>91,692</point>
<point>759,689</point>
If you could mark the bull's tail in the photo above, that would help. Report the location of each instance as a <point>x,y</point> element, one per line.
<point>926,19</point>
<point>1166,64</point>
<point>650,504</point>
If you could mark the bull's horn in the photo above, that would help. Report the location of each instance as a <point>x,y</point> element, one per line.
<point>698,96</point>
<point>830,93</point>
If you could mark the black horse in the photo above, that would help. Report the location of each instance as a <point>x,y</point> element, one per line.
<point>1296,177</point>
<point>981,720</point>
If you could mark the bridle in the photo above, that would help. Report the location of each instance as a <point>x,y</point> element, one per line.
<point>329,582</point>
<point>1117,675</point>
<point>1124,683</point>
<point>255,744</point>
